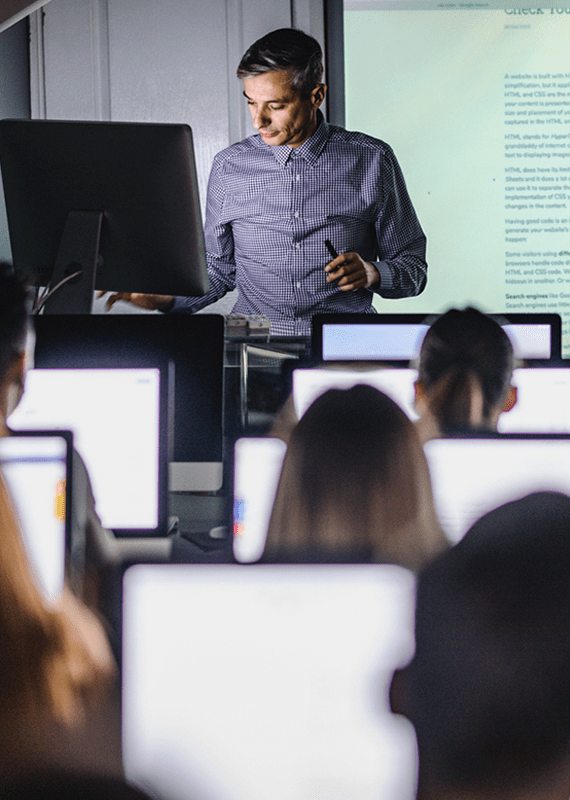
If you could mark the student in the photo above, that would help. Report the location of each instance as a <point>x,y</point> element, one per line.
<point>354,485</point>
<point>93,548</point>
<point>464,376</point>
<point>487,689</point>
<point>58,679</point>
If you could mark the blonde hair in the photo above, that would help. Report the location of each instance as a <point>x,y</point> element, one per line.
<point>355,484</point>
<point>51,656</point>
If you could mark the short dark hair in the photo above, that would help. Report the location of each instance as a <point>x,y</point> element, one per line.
<point>487,689</point>
<point>463,344</point>
<point>14,299</point>
<point>288,50</point>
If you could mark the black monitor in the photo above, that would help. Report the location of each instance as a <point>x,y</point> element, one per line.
<point>117,202</point>
<point>194,343</point>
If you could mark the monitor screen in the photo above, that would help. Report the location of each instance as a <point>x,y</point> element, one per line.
<point>35,466</point>
<point>140,176</point>
<point>311,382</point>
<point>398,337</point>
<point>543,401</point>
<point>471,476</point>
<point>193,343</point>
<point>117,419</point>
<point>249,682</point>
<point>542,406</point>
<point>257,468</point>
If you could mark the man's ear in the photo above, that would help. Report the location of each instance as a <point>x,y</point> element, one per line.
<point>318,95</point>
<point>420,395</point>
<point>510,399</point>
<point>17,370</point>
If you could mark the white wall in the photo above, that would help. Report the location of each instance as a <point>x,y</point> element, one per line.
<point>156,61</point>
<point>14,98</point>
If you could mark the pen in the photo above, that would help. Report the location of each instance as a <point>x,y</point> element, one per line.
<point>330,248</point>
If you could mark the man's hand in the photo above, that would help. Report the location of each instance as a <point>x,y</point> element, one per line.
<point>352,272</point>
<point>152,302</point>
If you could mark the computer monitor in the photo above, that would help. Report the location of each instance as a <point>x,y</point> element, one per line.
<point>308,383</point>
<point>398,337</point>
<point>119,422</point>
<point>471,475</point>
<point>266,681</point>
<point>257,469</point>
<point>36,467</point>
<point>117,200</point>
<point>193,343</point>
<point>543,393</point>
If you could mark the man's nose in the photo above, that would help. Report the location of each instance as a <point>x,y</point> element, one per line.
<point>260,118</point>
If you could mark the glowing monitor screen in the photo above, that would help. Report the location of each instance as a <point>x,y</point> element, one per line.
<point>35,469</point>
<point>402,341</point>
<point>115,419</point>
<point>257,468</point>
<point>397,383</point>
<point>249,682</point>
<point>543,393</point>
<point>471,476</point>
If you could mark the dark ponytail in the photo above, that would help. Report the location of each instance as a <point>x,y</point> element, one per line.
<point>465,354</point>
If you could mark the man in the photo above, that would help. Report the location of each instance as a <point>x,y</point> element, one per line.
<point>488,689</point>
<point>276,198</point>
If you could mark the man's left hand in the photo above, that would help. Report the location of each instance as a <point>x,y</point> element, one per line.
<point>351,272</point>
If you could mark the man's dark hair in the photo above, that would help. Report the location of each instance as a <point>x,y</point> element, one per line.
<point>461,344</point>
<point>14,299</point>
<point>488,688</point>
<point>289,50</point>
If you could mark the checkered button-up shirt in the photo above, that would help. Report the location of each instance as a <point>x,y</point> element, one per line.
<point>270,208</point>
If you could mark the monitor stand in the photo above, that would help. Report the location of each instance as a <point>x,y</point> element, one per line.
<point>78,252</point>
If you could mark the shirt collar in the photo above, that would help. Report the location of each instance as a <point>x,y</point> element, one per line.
<point>309,150</point>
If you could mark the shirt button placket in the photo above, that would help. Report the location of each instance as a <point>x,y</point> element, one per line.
<point>296,204</point>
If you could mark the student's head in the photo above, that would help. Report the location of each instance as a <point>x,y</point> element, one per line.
<point>465,368</point>
<point>354,483</point>
<point>14,323</point>
<point>282,77</point>
<point>488,688</point>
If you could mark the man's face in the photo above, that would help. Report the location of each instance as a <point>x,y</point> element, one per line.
<point>278,111</point>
